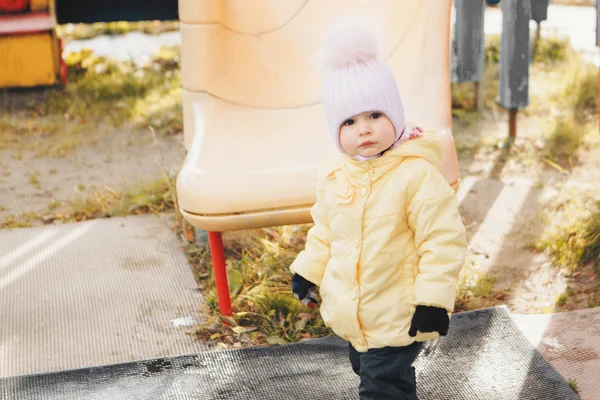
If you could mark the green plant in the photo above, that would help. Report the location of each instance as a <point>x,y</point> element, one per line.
<point>573,385</point>
<point>551,50</point>
<point>476,291</point>
<point>584,94</point>
<point>492,49</point>
<point>565,139</point>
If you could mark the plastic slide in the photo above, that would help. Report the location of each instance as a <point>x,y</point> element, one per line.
<point>254,128</point>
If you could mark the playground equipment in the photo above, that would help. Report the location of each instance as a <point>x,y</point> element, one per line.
<point>253,124</point>
<point>30,51</point>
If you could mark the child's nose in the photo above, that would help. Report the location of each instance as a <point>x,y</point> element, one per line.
<point>364,128</point>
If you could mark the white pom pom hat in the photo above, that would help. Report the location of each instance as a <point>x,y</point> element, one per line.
<point>355,80</point>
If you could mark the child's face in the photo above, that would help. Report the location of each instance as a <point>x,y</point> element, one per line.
<point>367,134</point>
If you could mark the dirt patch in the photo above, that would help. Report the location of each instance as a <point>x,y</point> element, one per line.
<point>118,158</point>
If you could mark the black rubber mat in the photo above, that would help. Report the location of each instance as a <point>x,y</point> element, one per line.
<point>484,357</point>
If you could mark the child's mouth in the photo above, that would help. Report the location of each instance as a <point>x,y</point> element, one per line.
<point>366,144</point>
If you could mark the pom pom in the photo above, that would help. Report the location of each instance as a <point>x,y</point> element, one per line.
<point>349,41</point>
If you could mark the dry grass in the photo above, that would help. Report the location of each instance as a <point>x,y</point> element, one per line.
<point>264,308</point>
<point>154,197</point>
<point>573,241</point>
<point>100,93</point>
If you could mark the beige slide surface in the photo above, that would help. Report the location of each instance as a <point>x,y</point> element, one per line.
<point>253,123</point>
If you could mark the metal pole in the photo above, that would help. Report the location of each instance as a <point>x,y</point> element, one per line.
<point>512,123</point>
<point>478,96</point>
<point>217,254</point>
<point>513,72</point>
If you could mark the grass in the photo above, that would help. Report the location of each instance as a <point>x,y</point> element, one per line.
<point>476,291</point>
<point>154,197</point>
<point>565,139</point>
<point>581,93</point>
<point>119,90</point>
<point>264,308</point>
<point>101,94</point>
<point>88,31</point>
<point>573,238</point>
<point>33,180</point>
<point>573,385</point>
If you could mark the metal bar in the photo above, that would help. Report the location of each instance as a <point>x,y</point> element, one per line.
<point>512,123</point>
<point>513,82</point>
<point>467,41</point>
<point>217,254</point>
<point>539,10</point>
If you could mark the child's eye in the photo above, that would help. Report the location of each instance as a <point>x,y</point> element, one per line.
<point>376,115</point>
<point>348,122</point>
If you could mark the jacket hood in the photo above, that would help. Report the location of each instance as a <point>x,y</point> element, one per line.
<point>427,147</point>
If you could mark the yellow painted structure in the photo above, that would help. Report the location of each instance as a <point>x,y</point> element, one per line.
<point>27,60</point>
<point>29,48</point>
<point>39,5</point>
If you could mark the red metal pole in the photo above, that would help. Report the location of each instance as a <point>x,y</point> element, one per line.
<point>217,254</point>
<point>512,123</point>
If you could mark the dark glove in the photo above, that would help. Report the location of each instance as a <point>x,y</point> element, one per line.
<point>429,319</point>
<point>301,286</point>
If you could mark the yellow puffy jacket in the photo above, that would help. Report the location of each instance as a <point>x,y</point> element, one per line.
<point>387,237</point>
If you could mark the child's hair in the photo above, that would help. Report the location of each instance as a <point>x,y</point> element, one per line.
<point>355,79</point>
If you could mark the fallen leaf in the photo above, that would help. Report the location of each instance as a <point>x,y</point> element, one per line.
<point>301,324</point>
<point>275,340</point>
<point>235,280</point>
<point>239,329</point>
<point>243,329</point>
<point>190,235</point>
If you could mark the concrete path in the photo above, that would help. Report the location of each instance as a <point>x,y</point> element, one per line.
<point>94,293</point>
<point>570,341</point>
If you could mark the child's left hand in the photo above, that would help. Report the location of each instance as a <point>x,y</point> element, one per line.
<point>429,319</point>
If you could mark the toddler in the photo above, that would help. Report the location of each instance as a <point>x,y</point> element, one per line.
<point>387,243</point>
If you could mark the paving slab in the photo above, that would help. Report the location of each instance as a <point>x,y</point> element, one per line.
<point>94,293</point>
<point>570,341</point>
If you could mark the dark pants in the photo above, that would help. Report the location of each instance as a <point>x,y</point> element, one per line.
<point>386,373</point>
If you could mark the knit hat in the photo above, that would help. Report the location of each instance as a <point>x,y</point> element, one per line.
<point>355,79</point>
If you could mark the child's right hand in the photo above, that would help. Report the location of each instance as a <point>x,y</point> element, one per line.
<point>303,290</point>
<point>301,286</point>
